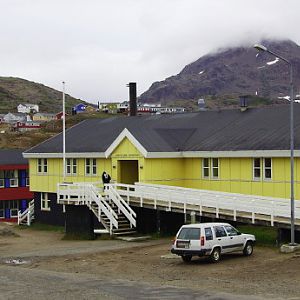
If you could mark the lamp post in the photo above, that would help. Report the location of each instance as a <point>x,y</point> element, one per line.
<point>264,48</point>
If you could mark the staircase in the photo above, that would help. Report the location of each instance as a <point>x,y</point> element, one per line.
<point>26,217</point>
<point>124,226</point>
<point>111,210</point>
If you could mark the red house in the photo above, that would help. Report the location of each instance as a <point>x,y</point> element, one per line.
<point>14,184</point>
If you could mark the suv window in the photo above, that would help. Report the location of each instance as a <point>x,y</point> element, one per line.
<point>231,230</point>
<point>208,234</point>
<point>189,234</point>
<point>220,231</point>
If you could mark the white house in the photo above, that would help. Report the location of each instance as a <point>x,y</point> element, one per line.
<point>15,117</point>
<point>28,108</point>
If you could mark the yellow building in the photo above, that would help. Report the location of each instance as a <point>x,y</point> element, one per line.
<point>44,117</point>
<point>235,151</point>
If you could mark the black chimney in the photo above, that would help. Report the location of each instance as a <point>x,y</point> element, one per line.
<point>132,99</point>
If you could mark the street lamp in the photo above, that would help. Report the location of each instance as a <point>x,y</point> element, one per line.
<point>264,48</point>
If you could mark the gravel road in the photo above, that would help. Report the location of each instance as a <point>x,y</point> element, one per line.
<point>38,264</point>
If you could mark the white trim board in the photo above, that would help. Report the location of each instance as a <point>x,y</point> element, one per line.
<point>186,154</point>
<point>68,155</point>
<point>125,134</point>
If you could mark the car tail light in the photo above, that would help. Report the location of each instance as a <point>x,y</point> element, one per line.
<point>202,241</point>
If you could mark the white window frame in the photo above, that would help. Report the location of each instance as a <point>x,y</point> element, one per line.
<point>27,182</point>
<point>42,165</point>
<point>267,168</point>
<point>71,166</point>
<point>14,212</point>
<point>45,202</point>
<point>91,166</point>
<point>210,168</point>
<point>205,167</point>
<point>215,168</point>
<point>14,208</point>
<point>254,168</point>
<point>2,211</point>
<point>13,182</point>
<point>2,179</point>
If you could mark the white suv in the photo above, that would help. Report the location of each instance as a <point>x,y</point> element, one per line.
<point>211,239</point>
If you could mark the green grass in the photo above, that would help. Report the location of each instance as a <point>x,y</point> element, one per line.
<point>265,236</point>
<point>45,227</point>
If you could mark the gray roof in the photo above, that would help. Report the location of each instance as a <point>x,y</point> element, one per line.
<point>12,157</point>
<point>224,130</point>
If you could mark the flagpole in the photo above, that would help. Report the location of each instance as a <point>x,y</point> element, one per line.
<point>64,134</point>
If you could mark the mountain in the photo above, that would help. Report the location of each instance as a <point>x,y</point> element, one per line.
<point>229,73</point>
<point>14,91</point>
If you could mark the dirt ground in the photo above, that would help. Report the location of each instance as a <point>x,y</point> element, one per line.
<point>266,274</point>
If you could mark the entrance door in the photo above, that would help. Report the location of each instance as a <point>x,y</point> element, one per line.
<point>128,171</point>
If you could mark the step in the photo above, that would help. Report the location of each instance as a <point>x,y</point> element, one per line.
<point>124,229</point>
<point>124,233</point>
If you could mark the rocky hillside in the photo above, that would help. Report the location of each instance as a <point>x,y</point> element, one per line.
<point>230,73</point>
<point>14,91</point>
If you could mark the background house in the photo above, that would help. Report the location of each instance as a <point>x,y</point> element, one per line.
<point>78,108</point>
<point>26,126</point>
<point>59,115</point>
<point>16,117</point>
<point>28,108</point>
<point>14,184</point>
<point>44,117</point>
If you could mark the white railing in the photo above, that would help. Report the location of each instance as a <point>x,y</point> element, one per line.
<point>121,204</point>
<point>27,214</point>
<point>253,207</point>
<point>86,194</point>
<point>93,196</point>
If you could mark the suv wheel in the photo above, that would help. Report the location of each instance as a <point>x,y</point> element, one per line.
<point>248,249</point>
<point>215,255</point>
<point>186,258</point>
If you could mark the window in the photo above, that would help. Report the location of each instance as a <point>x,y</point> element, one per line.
<point>27,177</point>
<point>90,166</point>
<point>205,167</point>
<point>208,234</point>
<point>220,231</point>
<point>2,213</point>
<point>231,230</point>
<point>45,202</point>
<point>1,178</point>
<point>14,208</point>
<point>189,234</point>
<point>215,167</point>
<point>71,166</point>
<point>213,164</point>
<point>12,175</point>
<point>256,168</point>
<point>42,165</point>
<point>267,168</point>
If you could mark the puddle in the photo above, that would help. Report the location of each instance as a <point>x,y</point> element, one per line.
<point>16,262</point>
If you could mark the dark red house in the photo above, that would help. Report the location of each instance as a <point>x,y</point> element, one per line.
<point>14,184</point>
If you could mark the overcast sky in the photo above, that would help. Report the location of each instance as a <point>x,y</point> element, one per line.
<point>98,46</point>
